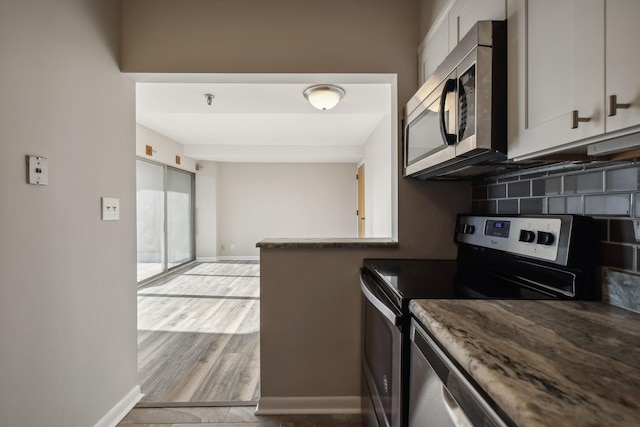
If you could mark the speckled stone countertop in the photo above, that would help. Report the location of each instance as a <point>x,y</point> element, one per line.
<point>353,243</point>
<point>545,363</point>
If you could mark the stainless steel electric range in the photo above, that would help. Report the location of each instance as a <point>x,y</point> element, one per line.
<point>499,257</point>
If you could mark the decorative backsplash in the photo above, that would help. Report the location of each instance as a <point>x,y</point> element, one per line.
<point>609,192</point>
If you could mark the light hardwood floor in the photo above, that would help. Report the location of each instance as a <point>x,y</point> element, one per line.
<point>147,269</point>
<point>198,335</point>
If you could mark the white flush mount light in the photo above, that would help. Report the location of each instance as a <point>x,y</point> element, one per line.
<point>324,97</point>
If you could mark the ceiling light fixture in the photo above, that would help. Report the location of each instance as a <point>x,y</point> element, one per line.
<point>209,98</point>
<point>324,97</point>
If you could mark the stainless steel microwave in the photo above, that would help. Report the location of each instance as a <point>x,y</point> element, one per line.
<point>455,126</point>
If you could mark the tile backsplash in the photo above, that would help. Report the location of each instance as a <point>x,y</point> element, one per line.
<point>609,192</point>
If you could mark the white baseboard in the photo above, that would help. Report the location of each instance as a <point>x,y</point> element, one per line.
<point>309,405</point>
<point>207,259</point>
<point>238,258</point>
<point>227,258</point>
<point>121,409</point>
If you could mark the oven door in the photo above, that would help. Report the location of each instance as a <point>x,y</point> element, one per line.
<point>381,350</point>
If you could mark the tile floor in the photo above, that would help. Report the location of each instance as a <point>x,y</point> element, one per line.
<point>238,416</point>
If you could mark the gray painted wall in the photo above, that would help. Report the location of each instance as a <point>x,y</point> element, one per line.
<point>165,149</point>
<point>260,200</point>
<point>67,279</point>
<point>206,211</point>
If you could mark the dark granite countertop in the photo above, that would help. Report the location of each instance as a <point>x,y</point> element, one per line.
<point>545,363</point>
<point>350,242</point>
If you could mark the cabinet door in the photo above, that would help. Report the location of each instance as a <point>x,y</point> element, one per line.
<point>556,66</point>
<point>465,13</point>
<point>433,51</point>
<point>623,62</point>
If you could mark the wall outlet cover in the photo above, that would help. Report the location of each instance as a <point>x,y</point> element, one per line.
<point>37,170</point>
<point>110,209</point>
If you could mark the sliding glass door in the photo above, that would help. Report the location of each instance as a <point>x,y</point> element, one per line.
<point>179,217</point>
<point>165,231</point>
<point>150,218</point>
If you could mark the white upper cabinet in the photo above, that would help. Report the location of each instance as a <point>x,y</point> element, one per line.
<point>556,67</point>
<point>566,57</point>
<point>465,13</point>
<point>623,63</point>
<point>454,22</point>
<point>432,52</point>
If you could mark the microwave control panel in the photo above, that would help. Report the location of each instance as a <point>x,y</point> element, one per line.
<point>541,237</point>
<point>467,104</point>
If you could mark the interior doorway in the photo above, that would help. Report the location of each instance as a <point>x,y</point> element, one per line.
<point>361,210</point>
<point>197,344</point>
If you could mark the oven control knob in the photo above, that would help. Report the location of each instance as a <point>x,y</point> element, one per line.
<point>545,238</point>
<point>527,236</point>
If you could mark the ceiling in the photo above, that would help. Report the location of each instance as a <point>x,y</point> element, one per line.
<point>264,118</point>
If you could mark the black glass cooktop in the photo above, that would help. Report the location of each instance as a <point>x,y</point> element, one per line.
<point>407,279</point>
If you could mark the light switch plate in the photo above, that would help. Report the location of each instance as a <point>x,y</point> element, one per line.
<point>110,209</point>
<point>37,170</point>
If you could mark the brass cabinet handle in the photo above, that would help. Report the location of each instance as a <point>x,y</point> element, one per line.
<point>613,105</point>
<point>575,119</point>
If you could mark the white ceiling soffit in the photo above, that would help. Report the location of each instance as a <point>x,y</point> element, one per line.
<point>267,121</point>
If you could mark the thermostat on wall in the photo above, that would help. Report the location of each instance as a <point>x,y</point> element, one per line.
<point>37,170</point>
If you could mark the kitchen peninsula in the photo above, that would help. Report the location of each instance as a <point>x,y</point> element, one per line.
<point>353,243</point>
<point>310,321</point>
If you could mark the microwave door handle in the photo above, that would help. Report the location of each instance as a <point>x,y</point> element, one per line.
<point>449,138</point>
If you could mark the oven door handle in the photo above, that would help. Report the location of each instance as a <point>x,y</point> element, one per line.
<point>392,315</point>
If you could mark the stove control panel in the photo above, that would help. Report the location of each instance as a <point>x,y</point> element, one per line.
<point>543,237</point>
